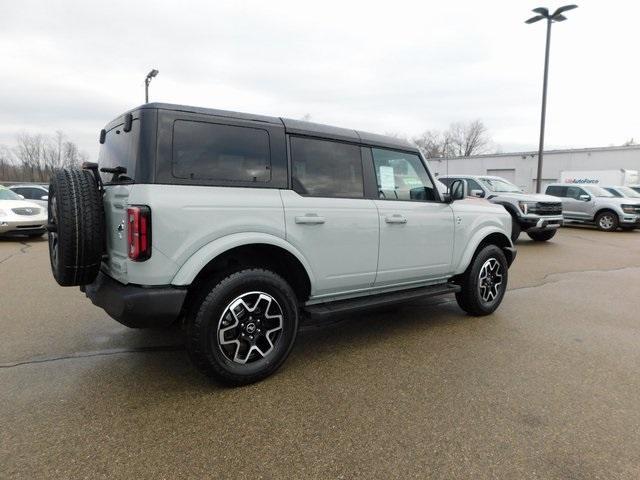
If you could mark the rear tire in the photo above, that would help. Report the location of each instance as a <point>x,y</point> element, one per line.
<point>542,236</point>
<point>243,327</point>
<point>76,220</point>
<point>607,221</point>
<point>485,282</point>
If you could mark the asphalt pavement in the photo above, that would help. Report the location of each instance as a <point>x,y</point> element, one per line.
<point>547,387</point>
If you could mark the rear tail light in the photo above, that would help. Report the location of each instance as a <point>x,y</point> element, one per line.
<point>139,232</point>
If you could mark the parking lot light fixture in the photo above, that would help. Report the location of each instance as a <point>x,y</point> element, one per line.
<point>147,81</point>
<point>557,16</point>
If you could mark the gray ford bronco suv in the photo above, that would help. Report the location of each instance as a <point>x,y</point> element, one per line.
<point>239,225</point>
<point>539,216</point>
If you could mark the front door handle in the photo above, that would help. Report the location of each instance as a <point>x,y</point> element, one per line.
<point>395,218</point>
<point>310,219</point>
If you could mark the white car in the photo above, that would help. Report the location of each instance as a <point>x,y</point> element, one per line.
<point>20,217</point>
<point>33,192</point>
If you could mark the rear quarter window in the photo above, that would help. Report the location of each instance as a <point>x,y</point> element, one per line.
<point>211,151</point>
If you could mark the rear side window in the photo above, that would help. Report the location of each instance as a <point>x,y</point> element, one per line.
<point>557,191</point>
<point>324,168</point>
<point>210,151</point>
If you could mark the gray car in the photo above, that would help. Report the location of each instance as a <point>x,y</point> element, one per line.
<point>595,205</point>
<point>539,216</point>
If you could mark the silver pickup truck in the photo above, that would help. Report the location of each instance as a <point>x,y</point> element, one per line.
<point>539,216</point>
<point>594,204</point>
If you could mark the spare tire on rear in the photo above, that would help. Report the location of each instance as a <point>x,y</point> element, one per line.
<point>76,226</point>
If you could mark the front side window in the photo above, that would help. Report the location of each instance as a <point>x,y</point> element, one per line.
<point>324,168</point>
<point>402,176</point>
<point>210,151</point>
<point>473,185</point>
<point>575,192</point>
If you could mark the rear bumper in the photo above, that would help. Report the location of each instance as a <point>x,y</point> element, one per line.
<point>136,306</point>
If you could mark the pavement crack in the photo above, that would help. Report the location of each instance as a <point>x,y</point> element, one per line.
<point>101,353</point>
<point>547,281</point>
<point>25,246</point>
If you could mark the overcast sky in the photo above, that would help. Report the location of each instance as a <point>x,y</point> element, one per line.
<point>389,66</point>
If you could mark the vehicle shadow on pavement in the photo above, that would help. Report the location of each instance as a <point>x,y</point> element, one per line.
<point>166,366</point>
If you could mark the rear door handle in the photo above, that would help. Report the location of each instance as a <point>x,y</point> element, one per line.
<point>310,219</point>
<point>395,218</point>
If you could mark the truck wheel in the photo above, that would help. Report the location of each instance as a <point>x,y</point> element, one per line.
<point>484,283</point>
<point>242,328</point>
<point>542,236</point>
<point>607,221</point>
<point>76,227</point>
<point>515,229</point>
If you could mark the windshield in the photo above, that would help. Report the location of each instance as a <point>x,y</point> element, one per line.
<point>6,194</point>
<point>597,191</point>
<point>499,185</point>
<point>628,192</point>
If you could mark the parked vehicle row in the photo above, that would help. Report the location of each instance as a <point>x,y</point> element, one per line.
<point>237,225</point>
<point>607,207</point>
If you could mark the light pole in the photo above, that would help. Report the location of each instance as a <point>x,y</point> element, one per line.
<point>556,16</point>
<point>147,81</point>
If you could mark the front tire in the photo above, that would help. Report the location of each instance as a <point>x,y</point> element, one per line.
<point>542,236</point>
<point>607,221</point>
<point>485,282</point>
<point>243,328</point>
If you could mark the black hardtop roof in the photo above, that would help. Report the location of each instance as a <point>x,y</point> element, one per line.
<point>299,127</point>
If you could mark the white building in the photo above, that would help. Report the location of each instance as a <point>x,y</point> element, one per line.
<point>520,168</point>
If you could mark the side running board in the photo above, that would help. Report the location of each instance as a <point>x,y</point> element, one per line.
<point>323,310</point>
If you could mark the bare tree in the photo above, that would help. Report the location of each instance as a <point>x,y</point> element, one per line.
<point>433,143</point>
<point>459,140</point>
<point>469,139</point>
<point>7,163</point>
<point>36,156</point>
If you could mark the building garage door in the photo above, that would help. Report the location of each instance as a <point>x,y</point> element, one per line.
<point>506,173</point>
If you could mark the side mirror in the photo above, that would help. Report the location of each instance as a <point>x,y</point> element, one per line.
<point>44,197</point>
<point>21,196</point>
<point>477,193</point>
<point>584,198</point>
<point>457,191</point>
<point>418,193</point>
